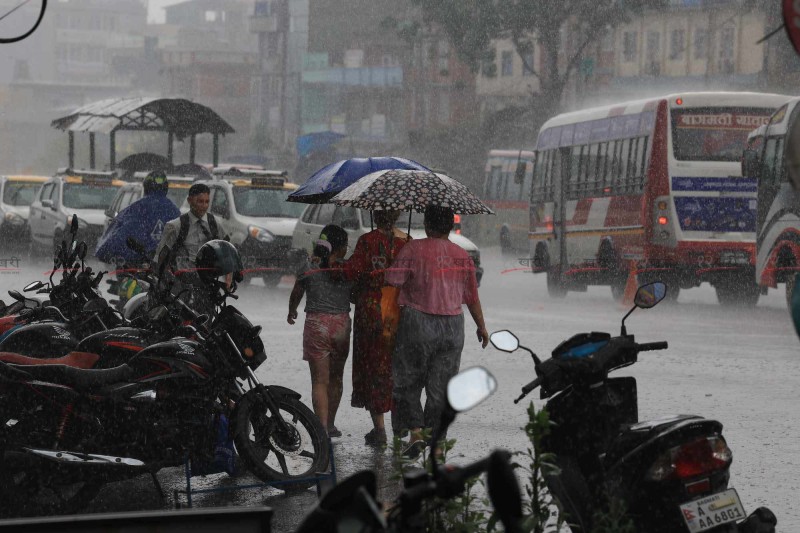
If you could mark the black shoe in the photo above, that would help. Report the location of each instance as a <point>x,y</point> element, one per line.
<point>414,449</point>
<point>333,432</point>
<point>375,437</point>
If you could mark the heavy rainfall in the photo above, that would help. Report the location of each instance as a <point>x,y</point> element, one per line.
<point>328,265</point>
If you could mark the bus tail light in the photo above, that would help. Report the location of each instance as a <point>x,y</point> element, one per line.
<point>679,101</point>
<point>662,220</point>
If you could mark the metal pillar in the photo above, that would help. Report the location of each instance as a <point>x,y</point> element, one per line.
<point>91,151</point>
<point>216,149</point>
<point>169,147</point>
<point>112,150</point>
<point>192,148</point>
<point>71,160</point>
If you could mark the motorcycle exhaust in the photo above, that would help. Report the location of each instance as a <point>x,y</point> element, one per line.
<point>65,457</point>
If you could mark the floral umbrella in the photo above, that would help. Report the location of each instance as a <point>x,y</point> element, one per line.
<point>410,190</point>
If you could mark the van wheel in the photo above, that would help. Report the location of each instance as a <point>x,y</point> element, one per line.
<point>738,293</point>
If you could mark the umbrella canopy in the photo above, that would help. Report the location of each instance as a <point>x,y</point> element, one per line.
<point>410,190</point>
<point>334,178</point>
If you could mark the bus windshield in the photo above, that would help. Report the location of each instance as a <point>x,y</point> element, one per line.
<point>714,134</point>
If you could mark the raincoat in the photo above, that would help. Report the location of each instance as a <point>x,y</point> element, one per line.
<point>144,221</point>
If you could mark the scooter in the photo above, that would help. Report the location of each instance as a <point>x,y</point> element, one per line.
<point>671,474</point>
<point>352,504</point>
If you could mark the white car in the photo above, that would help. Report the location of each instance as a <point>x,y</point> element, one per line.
<point>357,222</point>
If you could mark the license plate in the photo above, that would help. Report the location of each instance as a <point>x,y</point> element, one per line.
<point>712,511</point>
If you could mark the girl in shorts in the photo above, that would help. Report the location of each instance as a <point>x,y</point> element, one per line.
<point>326,335</point>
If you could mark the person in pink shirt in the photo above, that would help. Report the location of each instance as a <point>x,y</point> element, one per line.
<point>435,278</point>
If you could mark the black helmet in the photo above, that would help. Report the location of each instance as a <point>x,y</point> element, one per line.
<point>155,181</point>
<point>217,258</point>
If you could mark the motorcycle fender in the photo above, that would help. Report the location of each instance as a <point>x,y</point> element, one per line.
<point>282,392</point>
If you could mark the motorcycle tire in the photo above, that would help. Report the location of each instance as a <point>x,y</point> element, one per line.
<point>278,452</point>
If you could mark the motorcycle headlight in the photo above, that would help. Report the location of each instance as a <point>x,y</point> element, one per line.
<point>260,234</point>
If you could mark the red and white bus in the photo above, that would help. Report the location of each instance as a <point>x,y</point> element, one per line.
<point>652,185</point>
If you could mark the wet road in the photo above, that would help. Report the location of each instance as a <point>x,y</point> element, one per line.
<point>739,366</point>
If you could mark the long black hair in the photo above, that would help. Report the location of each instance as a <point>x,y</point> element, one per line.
<point>331,238</point>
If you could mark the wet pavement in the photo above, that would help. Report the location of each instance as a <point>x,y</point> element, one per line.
<point>736,365</point>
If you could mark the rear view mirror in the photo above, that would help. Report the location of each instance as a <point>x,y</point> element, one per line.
<point>74,225</point>
<point>470,387</point>
<point>504,340</point>
<point>32,286</point>
<point>649,295</point>
<point>16,295</point>
<point>750,163</point>
<point>82,249</point>
<point>48,204</point>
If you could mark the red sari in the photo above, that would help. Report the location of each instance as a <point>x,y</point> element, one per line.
<point>372,348</point>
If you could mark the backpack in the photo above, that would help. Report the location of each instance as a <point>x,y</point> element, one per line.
<point>184,231</point>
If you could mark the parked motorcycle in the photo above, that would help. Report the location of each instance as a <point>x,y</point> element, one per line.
<point>671,474</point>
<point>352,505</point>
<point>66,431</point>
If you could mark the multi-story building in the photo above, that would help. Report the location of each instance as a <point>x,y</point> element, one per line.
<point>508,80</point>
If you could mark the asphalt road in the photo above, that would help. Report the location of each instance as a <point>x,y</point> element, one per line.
<point>740,366</point>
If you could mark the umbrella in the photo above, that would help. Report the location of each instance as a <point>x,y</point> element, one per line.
<point>334,178</point>
<point>410,190</point>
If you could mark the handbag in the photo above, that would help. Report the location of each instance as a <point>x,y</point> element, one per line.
<point>390,310</point>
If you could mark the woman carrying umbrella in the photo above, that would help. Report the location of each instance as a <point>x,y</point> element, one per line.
<point>374,321</point>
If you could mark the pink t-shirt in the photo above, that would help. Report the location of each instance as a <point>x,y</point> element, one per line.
<point>435,276</point>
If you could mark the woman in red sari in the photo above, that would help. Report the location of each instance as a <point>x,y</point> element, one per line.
<point>374,323</point>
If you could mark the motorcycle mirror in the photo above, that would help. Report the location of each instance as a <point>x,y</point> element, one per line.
<point>504,340</point>
<point>32,286</point>
<point>82,249</point>
<point>158,313</point>
<point>73,228</point>
<point>649,295</point>
<point>469,388</point>
<point>16,295</point>
<point>57,256</point>
<point>504,490</point>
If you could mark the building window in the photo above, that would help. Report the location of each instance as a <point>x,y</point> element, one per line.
<point>607,42</point>
<point>527,64</point>
<point>653,46</point>
<point>444,54</point>
<point>507,64</point>
<point>629,46</point>
<point>700,43</point>
<point>676,44</point>
<point>727,46</point>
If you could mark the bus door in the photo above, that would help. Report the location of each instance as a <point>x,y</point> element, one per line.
<point>560,173</point>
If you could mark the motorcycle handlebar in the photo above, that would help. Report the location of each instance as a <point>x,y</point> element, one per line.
<point>652,346</point>
<point>528,388</point>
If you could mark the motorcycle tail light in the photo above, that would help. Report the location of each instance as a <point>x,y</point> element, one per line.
<point>700,457</point>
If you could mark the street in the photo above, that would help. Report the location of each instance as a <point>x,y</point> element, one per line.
<point>741,367</point>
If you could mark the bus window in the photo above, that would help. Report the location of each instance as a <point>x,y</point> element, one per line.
<point>493,185</point>
<point>591,170</point>
<point>624,154</point>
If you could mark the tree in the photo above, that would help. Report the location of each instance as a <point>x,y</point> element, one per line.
<point>472,26</point>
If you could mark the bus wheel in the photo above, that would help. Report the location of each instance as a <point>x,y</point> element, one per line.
<point>505,243</point>
<point>555,287</point>
<point>738,293</point>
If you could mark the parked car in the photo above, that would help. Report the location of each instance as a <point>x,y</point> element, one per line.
<point>84,193</point>
<point>251,208</point>
<point>16,195</point>
<point>357,222</point>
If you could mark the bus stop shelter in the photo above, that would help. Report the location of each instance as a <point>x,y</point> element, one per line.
<point>177,117</point>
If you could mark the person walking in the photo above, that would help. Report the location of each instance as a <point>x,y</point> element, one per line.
<point>375,316</point>
<point>435,277</point>
<point>326,334</point>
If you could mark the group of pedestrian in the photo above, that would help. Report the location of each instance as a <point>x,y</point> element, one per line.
<point>408,327</point>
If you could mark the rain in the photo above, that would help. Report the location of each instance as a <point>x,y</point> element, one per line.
<point>402,177</point>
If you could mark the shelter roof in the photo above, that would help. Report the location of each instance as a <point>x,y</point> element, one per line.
<point>177,115</point>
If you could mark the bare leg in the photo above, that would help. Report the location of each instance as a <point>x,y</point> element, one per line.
<point>377,420</point>
<point>335,389</point>
<point>320,376</point>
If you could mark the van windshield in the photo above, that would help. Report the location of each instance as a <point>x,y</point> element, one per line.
<point>89,195</point>
<point>19,193</point>
<point>177,194</point>
<point>258,202</point>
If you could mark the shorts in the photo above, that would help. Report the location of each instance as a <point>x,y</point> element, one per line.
<point>325,335</point>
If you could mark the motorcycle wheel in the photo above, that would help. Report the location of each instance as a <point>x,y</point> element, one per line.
<point>274,451</point>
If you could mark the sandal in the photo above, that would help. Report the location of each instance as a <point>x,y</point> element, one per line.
<point>333,432</point>
<point>414,449</point>
<point>375,437</point>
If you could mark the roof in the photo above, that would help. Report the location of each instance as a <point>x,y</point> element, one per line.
<point>31,179</point>
<point>177,115</point>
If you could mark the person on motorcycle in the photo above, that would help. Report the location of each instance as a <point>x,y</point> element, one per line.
<point>144,220</point>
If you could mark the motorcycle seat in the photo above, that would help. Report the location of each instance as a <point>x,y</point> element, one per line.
<point>83,360</point>
<point>78,378</point>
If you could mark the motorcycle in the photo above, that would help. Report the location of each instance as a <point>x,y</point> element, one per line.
<point>352,504</point>
<point>671,474</point>
<point>62,426</point>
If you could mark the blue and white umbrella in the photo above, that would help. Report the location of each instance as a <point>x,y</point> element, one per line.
<point>336,177</point>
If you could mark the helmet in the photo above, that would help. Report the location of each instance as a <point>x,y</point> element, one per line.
<point>156,181</point>
<point>217,258</point>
